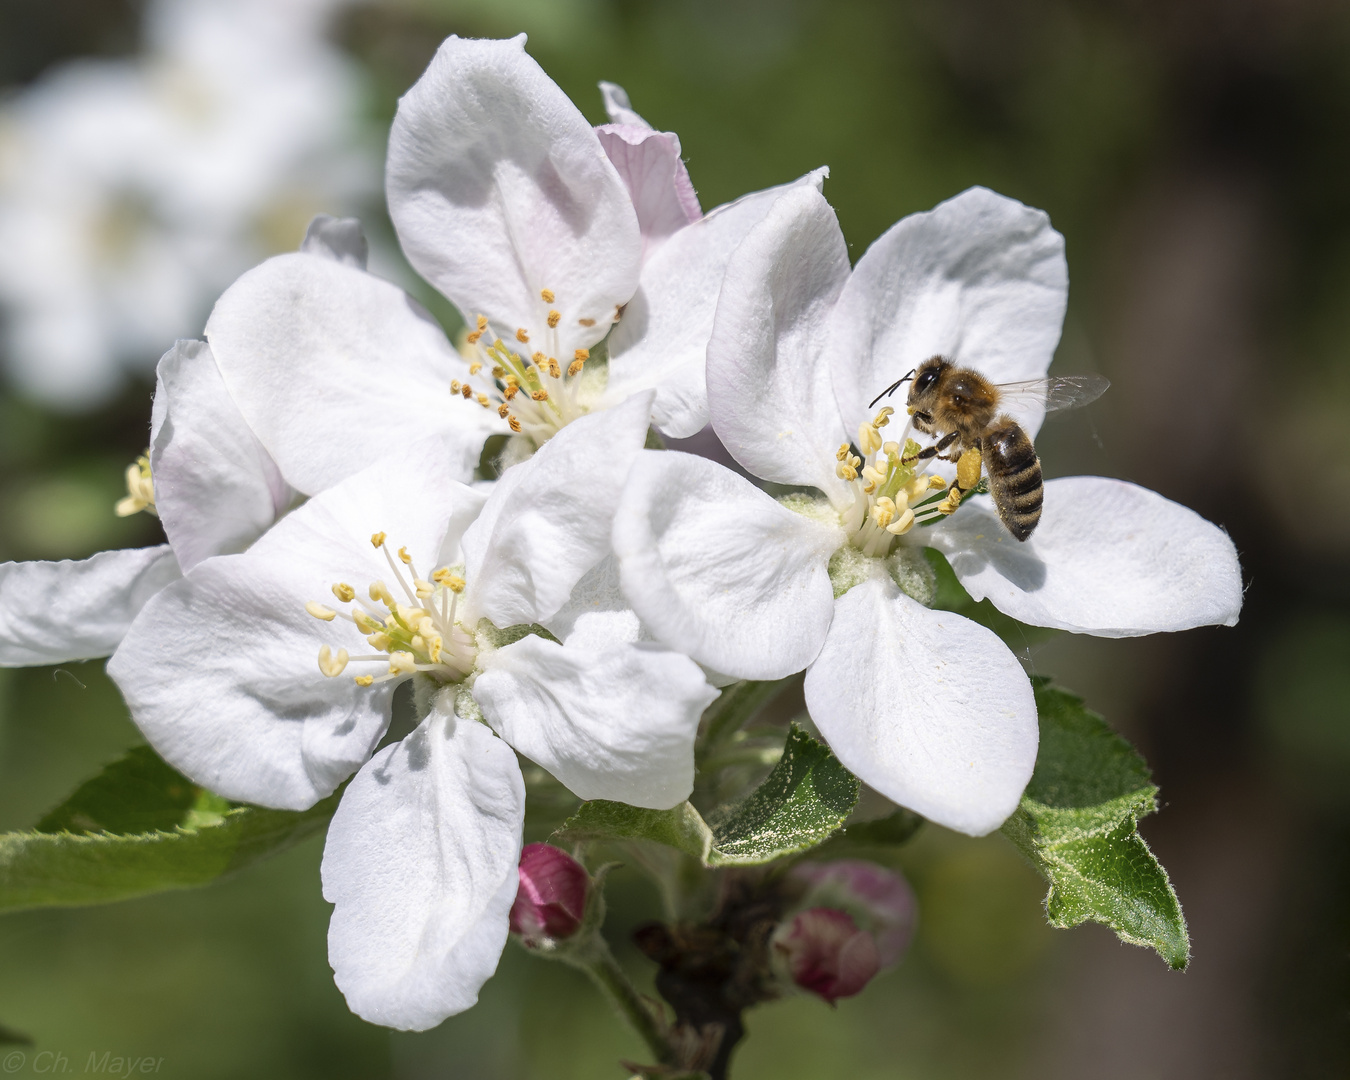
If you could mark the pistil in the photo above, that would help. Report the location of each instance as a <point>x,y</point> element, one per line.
<point>421,635</point>
<point>537,396</point>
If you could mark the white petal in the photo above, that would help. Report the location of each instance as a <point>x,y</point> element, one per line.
<point>54,612</point>
<point>548,519</point>
<point>334,368</point>
<point>718,570</point>
<point>216,488</point>
<point>340,239</point>
<point>649,164</point>
<point>499,189</point>
<point>662,341</point>
<point>1108,558</point>
<point>618,108</point>
<point>980,279</point>
<point>421,865</point>
<point>221,671</point>
<point>927,707</point>
<point>611,722</point>
<point>768,387</point>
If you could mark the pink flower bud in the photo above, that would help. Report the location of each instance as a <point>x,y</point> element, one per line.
<point>827,953</point>
<point>551,900</point>
<point>857,920</point>
<point>879,900</point>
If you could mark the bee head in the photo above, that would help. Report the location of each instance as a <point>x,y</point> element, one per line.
<point>926,377</point>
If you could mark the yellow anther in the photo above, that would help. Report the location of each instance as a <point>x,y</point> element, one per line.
<point>402,663</point>
<point>426,627</point>
<point>968,469</point>
<point>873,476</point>
<point>539,395</point>
<point>538,359</point>
<point>379,591</point>
<point>498,371</point>
<point>512,389</point>
<point>883,511</point>
<point>411,616</point>
<point>869,440</point>
<point>553,317</point>
<point>424,589</point>
<point>472,338</point>
<point>845,471</point>
<point>434,647</point>
<point>883,417</point>
<point>466,391</point>
<point>842,452</point>
<point>554,369</point>
<point>902,524</point>
<point>331,665</point>
<point>522,336</point>
<point>503,409</point>
<point>404,556</point>
<point>475,367</point>
<point>377,539</point>
<point>574,368</point>
<point>546,295</point>
<point>482,322</point>
<point>581,356</point>
<point>586,322</point>
<point>364,680</point>
<point>482,400</point>
<point>344,592</point>
<point>321,612</point>
<point>140,490</point>
<point>365,623</point>
<point>891,450</point>
<point>514,423</point>
<point>454,386</point>
<point>450,580</point>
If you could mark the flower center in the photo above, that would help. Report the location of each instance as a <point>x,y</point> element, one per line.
<point>421,635</point>
<point>890,493</point>
<point>537,396</point>
<point>140,489</point>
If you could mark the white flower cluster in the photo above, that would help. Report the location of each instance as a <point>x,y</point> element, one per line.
<point>312,464</point>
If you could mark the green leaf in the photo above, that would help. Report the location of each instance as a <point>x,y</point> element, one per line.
<point>1077,824</point>
<point>801,803</point>
<point>141,827</point>
<point>681,828</point>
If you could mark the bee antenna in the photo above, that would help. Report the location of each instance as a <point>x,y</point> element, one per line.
<point>893,387</point>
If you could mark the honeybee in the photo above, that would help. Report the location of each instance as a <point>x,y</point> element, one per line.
<point>963,410</point>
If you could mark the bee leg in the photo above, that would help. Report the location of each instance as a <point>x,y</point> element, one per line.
<point>935,451</point>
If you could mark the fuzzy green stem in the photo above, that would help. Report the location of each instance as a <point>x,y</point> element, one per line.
<point>595,959</point>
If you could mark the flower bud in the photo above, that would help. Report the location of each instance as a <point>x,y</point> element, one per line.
<point>551,901</point>
<point>827,953</point>
<point>855,919</point>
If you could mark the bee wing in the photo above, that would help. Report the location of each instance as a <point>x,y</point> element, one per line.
<point>1053,394</point>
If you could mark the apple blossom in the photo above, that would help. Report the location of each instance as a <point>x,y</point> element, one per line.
<point>503,608</point>
<point>926,706</point>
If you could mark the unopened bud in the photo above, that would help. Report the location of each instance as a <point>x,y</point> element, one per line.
<point>827,953</point>
<point>551,901</point>
<point>858,920</point>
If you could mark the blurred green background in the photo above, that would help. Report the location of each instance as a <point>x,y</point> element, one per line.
<point>1196,155</point>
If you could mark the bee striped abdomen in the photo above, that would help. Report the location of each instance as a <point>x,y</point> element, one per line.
<point>1014,476</point>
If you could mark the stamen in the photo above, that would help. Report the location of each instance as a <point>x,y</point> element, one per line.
<point>553,317</point>
<point>321,612</point>
<point>403,554</point>
<point>344,592</point>
<point>379,591</point>
<point>402,663</point>
<point>378,539</point>
<point>331,665</point>
<point>546,295</point>
<point>364,680</point>
<point>586,322</point>
<point>522,336</point>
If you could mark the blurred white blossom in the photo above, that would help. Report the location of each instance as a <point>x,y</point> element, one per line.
<point>132,191</point>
